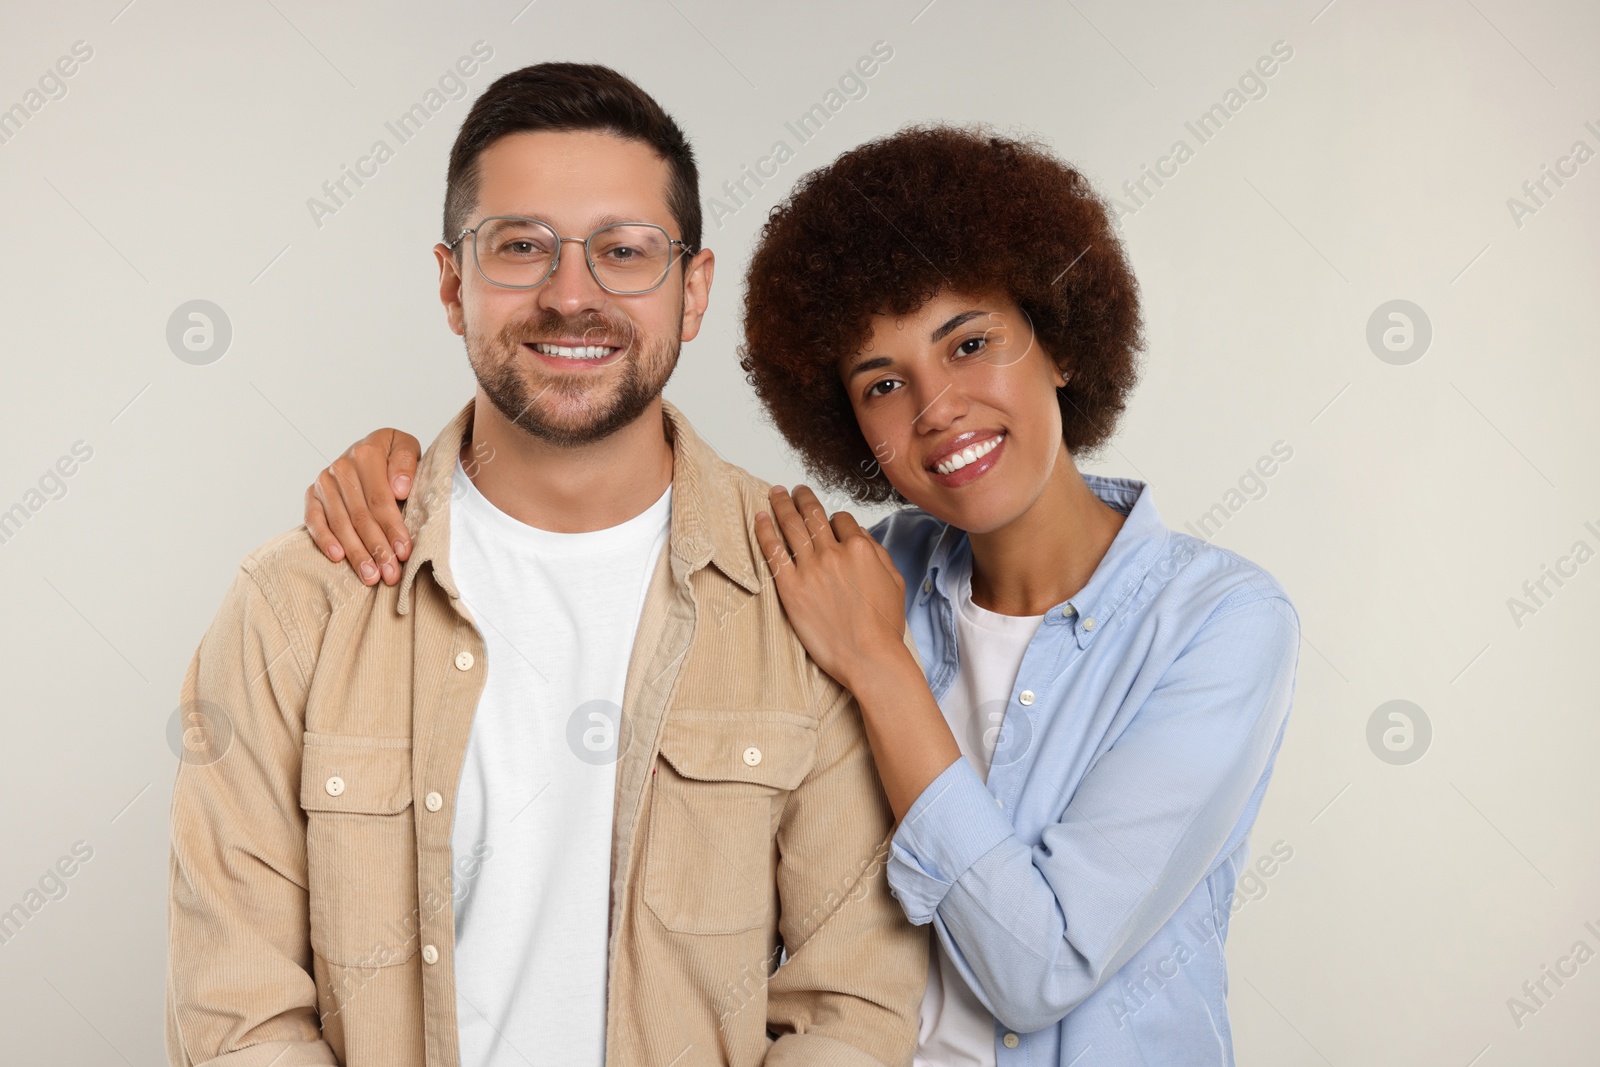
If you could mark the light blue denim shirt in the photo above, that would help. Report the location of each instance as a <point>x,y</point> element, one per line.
<point>1083,892</point>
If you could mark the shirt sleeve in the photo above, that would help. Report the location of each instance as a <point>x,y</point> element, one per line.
<point>240,991</point>
<point>849,991</point>
<point>1035,930</point>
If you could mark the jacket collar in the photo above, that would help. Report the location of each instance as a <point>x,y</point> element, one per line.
<point>708,523</point>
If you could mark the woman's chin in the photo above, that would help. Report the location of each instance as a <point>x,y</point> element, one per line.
<point>977,508</point>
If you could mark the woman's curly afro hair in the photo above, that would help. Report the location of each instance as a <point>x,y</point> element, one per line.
<point>890,224</point>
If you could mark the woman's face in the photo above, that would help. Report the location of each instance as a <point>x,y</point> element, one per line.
<point>957,402</point>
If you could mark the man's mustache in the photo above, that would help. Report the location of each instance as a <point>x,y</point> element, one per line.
<point>591,329</point>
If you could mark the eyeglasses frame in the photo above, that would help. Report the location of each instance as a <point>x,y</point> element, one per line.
<point>555,260</point>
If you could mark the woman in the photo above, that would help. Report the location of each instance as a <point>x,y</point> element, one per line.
<point>946,319</point>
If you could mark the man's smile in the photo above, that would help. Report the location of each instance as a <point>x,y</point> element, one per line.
<point>573,354</point>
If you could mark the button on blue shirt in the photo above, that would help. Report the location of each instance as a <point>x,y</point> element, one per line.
<point>1083,891</point>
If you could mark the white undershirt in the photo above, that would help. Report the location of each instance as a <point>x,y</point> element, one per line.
<point>557,612</point>
<point>956,1030</point>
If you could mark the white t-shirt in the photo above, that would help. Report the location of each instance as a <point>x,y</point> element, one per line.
<point>558,613</point>
<point>956,1030</point>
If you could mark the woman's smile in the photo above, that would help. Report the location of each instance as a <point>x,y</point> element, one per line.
<point>967,458</point>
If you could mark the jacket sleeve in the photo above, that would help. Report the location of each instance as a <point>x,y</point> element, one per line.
<point>850,987</point>
<point>1036,929</point>
<point>240,991</point>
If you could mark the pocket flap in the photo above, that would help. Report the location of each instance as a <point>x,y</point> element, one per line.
<point>360,775</point>
<point>772,752</point>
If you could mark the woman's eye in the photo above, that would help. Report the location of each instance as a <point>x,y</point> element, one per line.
<point>873,389</point>
<point>972,346</point>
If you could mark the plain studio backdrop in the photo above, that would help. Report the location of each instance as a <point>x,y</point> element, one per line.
<point>1371,272</point>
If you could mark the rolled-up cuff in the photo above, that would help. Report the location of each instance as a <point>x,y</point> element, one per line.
<point>954,823</point>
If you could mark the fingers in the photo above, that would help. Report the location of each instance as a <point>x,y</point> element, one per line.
<point>404,452</point>
<point>317,526</point>
<point>793,528</point>
<point>773,549</point>
<point>373,462</point>
<point>845,526</point>
<point>787,516</point>
<point>814,515</point>
<point>366,468</point>
<point>359,549</point>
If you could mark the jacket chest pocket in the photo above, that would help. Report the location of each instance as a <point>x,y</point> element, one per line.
<point>361,849</point>
<point>718,784</point>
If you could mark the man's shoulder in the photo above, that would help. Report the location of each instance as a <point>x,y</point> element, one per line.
<point>299,583</point>
<point>767,629</point>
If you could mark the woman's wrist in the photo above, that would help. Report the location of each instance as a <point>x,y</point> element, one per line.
<point>911,742</point>
<point>882,672</point>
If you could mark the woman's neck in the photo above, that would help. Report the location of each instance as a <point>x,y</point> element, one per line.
<point>1049,552</point>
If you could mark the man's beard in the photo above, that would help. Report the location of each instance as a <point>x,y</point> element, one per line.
<point>502,367</point>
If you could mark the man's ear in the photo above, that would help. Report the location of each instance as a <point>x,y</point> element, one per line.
<point>450,288</point>
<point>697,272</point>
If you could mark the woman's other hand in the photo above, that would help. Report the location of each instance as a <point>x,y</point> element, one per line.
<point>352,509</point>
<point>840,589</point>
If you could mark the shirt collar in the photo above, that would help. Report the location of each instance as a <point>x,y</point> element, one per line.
<point>709,523</point>
<point>1123,568</point>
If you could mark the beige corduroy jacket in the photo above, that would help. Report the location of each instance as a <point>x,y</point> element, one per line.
<point>311,869</point>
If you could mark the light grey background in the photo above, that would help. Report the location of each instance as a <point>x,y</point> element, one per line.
<point>1418,500</point>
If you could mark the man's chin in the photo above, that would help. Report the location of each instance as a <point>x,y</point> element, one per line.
<point>576,421</point>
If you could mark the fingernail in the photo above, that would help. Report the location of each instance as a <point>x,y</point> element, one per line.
<point>389,573</point>
<point>336,552</point>
<point>402,483</point>
<point>369,573</point>
<point>399,547</point>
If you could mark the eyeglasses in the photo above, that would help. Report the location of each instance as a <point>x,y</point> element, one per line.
<point>626,258</point>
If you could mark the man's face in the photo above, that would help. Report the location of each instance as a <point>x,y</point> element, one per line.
<point>567,361</point>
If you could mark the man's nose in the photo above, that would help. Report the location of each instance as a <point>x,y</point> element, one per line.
<point>571,287</point>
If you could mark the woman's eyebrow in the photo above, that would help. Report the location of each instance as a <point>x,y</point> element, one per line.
<point>953,323</point>
<point>866,365</point>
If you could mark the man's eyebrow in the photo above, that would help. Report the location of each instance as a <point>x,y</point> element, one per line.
<point>612,220</point>
<point>953,323</point>
<point>866,365</point>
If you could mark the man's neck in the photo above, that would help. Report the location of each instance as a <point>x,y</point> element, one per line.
<point>568,489</point>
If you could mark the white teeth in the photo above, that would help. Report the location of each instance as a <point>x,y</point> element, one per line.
<point>575,352</point>
<point>956,460</point>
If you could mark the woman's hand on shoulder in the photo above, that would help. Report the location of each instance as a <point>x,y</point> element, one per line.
<point>352,509</point>
<point>840,589</point>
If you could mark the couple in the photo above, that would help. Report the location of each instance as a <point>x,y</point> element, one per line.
<point>614,753</point>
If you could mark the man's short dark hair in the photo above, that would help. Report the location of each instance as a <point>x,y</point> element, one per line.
<point>568,97</point>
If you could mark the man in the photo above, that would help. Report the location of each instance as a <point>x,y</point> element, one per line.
<point>569,790</point>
